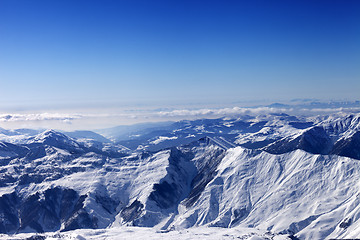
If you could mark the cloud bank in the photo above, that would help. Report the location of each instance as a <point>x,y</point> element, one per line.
<point>219,112</point>
<point>66,121</point>
<point>38,117</point>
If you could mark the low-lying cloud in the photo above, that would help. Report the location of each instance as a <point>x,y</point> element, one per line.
<point>220,112</point>
<point>88,121</point>
<point>38,117</point>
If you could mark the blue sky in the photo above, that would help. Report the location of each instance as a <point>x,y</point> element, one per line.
<point>63,53</point>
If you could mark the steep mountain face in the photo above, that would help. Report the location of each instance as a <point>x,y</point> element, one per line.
<point>189,169</point>
<point>296,177</point>
<point>348,146</point>
<point>47,210</point>
<point>142,189</point>
<point>333,136</point>
<point>298,193</point>
<point>313,140</point>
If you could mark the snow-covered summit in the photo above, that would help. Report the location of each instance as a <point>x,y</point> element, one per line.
<point>52,137</point>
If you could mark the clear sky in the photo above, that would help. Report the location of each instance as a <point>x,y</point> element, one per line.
<point>82,52</point>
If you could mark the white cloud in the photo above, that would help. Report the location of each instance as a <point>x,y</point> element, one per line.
<point>220,112</point>
<point>38,117</point>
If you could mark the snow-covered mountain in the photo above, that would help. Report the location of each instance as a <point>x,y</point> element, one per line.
<point>282,175</point>
<point>274,133</point>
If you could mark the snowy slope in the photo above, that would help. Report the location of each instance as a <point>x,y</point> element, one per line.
<point>297,193</point>
<point>136,233</point>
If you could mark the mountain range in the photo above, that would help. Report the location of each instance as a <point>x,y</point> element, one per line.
<point>291,176</point>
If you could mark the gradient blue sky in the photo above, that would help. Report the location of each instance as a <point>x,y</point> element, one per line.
<point>82,52</point>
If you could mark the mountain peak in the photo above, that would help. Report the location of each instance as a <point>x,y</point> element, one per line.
<point>56,139</point>
<point>50,134</point>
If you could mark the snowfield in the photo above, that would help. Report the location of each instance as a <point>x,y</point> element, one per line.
<point>137,233</point>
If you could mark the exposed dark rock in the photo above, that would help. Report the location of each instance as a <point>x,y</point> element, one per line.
<point>301,125</point>
<point>349,147</point>
<point>36,237</point>
<point>9,221</point>
<point>132,212</point>
<point>205,174</point>
<point>314,140</point>
<point>346,223</point>
<point>239,214</point>
<point>107,203</point>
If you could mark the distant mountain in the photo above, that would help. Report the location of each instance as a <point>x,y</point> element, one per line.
<point>338,136</point>
<point>87,135</point>
<point>279,105</point>
<point>314,140</point>
<point>274,133</point>
<point>127,132</point>
<point>17,135</point>
<point>313,103</point>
